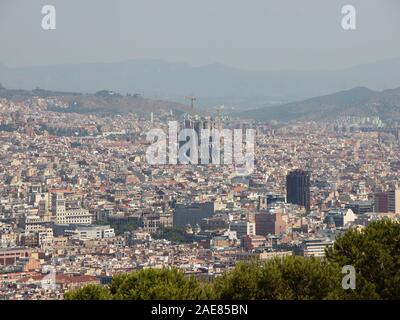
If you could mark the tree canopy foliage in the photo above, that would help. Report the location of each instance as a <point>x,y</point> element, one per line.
<point>375,254</point>
<point>146,284</point>
<point>175,234</point>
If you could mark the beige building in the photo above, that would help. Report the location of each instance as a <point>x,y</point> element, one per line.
<point>72,215</point>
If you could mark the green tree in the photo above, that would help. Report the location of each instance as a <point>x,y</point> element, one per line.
<point>127,226</point>
<point>155,284</point>
<point>175,234</point>
<point>291,278</point>
<point>375,254</point>
<point>89,292</point>
<point>146,284</point>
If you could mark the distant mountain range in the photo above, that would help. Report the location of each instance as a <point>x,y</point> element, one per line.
<point>212,84</point>
<point>101,102</point>
<point>359,101</point>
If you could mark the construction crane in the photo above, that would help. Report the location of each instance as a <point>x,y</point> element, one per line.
<point>219,110</point>
<point>192,101</point>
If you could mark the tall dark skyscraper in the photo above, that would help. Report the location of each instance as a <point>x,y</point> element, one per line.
<point>298,188</point>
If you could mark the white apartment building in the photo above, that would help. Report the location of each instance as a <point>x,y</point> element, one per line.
<point>315,247</point>
<point>94,232</point>
<point>45,237</point>
<point>243,228</point>
<point>74,215</point>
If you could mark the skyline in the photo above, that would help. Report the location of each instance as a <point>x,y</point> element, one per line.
<point>216,152</point>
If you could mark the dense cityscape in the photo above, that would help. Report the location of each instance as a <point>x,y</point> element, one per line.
<point>195,158</point>
<point>80,204</point>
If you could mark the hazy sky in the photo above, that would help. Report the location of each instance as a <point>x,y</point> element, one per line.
<point>265,34</point>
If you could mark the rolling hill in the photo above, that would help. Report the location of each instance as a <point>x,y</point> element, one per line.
<point>105,102</point>
<point>359,101</point>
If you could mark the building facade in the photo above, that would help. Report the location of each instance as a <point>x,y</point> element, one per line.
<point>298,188</point>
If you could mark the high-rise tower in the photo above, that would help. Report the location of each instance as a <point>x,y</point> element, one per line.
<point>298,188</point>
